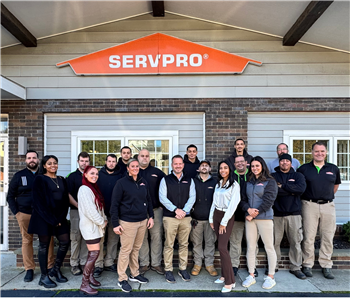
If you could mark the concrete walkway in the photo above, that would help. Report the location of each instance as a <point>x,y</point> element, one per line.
<point>12,279</point>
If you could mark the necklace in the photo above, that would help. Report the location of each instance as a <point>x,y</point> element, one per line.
<point>55,182</point>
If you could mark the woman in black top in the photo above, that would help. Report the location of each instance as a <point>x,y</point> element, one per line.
<point>50,207</point>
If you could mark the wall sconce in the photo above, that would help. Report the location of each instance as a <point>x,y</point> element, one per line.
<point>22,145</point>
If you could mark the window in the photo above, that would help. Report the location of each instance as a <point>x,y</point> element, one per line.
<point>337,142</point>
<point>160,144</point>
<point>4,124</point>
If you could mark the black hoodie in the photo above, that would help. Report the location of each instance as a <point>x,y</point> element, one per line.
<point>106,183</point>
<point>191,168</point>
<point>122,166</point>
<point>231,159</point>
<point>131,200</point>
<point>288,200</point>
<point>204,197</point>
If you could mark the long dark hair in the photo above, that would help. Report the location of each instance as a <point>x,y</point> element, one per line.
<point>99,200</point>
<point>265,173</point>
<point>43,161</point>
<point>230,176</point>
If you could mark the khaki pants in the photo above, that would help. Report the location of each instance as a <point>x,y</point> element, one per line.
<point>156,233</point>
<point>294,231</point>
<point>78,246</point>
<point>27,244</point>
<point>320,216</point>
<point>264,228</point>
<point>112,248</point>
<point>203,230</point>
<point>181,228</point>
<point>131,241</point>
<point>236,243</point>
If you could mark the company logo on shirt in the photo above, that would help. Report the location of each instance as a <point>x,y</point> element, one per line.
<point>142,184</point>
<point>329,173</point>
<point>154,175</point>
<point>158,54</point>
<point>184,182</point>
<point>260,184</point>
<point>210,188</point>
<point>291,180</point>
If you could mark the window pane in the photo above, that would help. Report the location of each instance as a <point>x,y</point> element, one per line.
<point>114,146</point>
<point>163,146</point>
<point>149,145</point>
<point>344,176</point>
<point>101,146</point>
<point>135,145</point>
<point>308,158</point>
<point>4,125</point>
<point>165,170</point>
<point>100,160</point>
<point>308,145</point>
<point>298,147</point>
<point>87,146</point>
<point>299,157</point>
<point>342,146</point>
<point>342,160</point>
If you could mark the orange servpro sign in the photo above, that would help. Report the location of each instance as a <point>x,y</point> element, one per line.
<point>158,54</point>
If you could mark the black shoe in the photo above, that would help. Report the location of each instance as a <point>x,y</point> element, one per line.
<point>56,272</point>
<point>307,271</point>
<point>138,278</point>
<point>169,276</point>
<point>298,274</point>
<point>29,276</point>
<point>125,286</point>
<point>46,282</point>
<point>76,270</point>
<point>327,273</point>
<point>235,270</point>
<point>98,271</point>
<point>184,275</point>
<point>267,271</point>
<point>112,268</point>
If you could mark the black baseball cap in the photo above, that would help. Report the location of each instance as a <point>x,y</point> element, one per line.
<point>205,161</point>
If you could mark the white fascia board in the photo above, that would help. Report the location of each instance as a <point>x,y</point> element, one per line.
<point>18,91</point>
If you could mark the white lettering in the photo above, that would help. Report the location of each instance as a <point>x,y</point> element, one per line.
<point>127,61</point>
<point>114,61</point>
<point>154,63</point>
<point>168,59</point>
<point>140,59</point>
<point>181,59</point>
<point>192,57</point>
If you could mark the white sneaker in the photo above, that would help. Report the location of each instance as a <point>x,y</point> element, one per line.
<point>250,280</point>
<point>219,281</point>
<point>269,283</point>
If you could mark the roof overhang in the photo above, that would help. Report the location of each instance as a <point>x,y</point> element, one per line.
<point>11,90</point>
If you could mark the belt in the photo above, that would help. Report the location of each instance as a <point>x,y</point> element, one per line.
<point>219,209</point>
<point>320,201</point>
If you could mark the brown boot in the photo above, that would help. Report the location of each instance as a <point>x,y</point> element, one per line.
<point>85,287</point>
<point>93,281</point>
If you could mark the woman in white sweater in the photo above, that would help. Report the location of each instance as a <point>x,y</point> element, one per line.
<point>92,224</point>
<point>226,198</point>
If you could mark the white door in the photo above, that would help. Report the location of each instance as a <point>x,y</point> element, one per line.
<point>3,193</point>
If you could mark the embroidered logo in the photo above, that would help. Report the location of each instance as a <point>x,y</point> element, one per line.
<point>184,182</point>
<point>154,175</point>
<point>210,188</point>
<point>329,173</point>
<point>291,180</point>
<point>260,184</point>
<point>142,184</point>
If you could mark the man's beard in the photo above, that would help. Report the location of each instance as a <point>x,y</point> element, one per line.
<point>110,169</point>
<point>32,167</point>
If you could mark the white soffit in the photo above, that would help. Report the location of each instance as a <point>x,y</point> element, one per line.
<point>11,90</point>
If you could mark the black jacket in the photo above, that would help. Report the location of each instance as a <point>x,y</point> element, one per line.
<point>130,201</point>
<point>204,197</point>
<point>122,166</point>
<point>288,200</point>
<point>241,179</point>
<point>74,182</point>
<point>191,168</point>
<point>106,183</point>
<point>19,196</point>
<point>153,176</point>
<point>230,161</point>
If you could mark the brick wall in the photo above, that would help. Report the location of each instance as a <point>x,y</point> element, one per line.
<point>226,119</point>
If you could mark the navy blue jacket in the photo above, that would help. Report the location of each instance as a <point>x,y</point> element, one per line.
<point>204,197</point>
<point>191,167</point>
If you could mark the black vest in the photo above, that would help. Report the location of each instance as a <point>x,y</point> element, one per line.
<point>178,192</point>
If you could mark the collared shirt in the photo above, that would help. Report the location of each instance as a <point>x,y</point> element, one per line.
<point>163,191</point>
<point>320,181</point>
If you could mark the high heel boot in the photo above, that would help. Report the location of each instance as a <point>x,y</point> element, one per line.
<point>56,270</point>
<point>85,287</point>
<point>45,280</point>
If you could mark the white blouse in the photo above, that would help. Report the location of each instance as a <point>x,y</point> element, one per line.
<point>225,200</point>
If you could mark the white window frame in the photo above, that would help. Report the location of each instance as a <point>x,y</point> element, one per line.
<point>332,135</point>
<point>124,136</point>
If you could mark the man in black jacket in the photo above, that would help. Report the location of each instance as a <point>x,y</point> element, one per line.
<point>126,154</point>
<point>20,200</point>
<point>78,249</point>
<point>108,176</point>
<point>177,193</point>
<point>287,212</point>
<point>191,161</point>
<point>153,177</point>
<point>239,151</point>
<point>205,186</point>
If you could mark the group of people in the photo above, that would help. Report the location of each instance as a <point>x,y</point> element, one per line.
<point>134,203</point>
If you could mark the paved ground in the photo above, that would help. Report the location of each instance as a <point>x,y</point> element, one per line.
<point>12,285</point>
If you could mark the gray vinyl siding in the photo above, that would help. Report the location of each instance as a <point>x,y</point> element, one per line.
<point>58,130</point>
<point>299,71</point>
<point>265,131</point>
